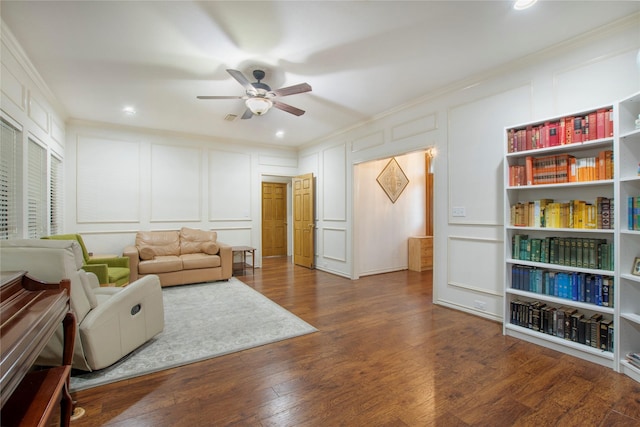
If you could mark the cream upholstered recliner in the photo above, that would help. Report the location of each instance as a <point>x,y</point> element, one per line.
<point>112,322</point>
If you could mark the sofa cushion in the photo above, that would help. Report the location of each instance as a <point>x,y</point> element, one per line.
<point>194,261</point>
<point>158,243</point>
<point>192,240</point>
<point>210,248</point>
<point>146,252</point>
<point>160,264</point>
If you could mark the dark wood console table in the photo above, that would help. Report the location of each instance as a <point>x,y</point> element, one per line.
<point>31,312</point>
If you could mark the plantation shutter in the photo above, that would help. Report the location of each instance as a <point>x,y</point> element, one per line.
<point>36,190</point>
<point>8,181</point>
<point>55,193</point>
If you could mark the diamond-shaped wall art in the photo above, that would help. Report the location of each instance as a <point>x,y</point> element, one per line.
<point>393,180</point>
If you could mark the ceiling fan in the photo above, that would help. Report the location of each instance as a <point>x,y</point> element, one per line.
<point>259,97</point>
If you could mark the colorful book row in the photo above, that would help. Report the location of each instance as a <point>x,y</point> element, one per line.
<point>588,288</point>
<point>564,322</point>
<point>567,130</point>
<point>633,211</point>
<point>578,252</point>
<point>546,213</point>
<point>561,168</point>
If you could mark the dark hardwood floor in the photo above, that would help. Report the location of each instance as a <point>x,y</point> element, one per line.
<point>384,356</point>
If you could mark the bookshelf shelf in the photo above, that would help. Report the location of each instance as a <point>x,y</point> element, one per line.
<point>558,149</point>
<point>597,183</point>
<point>632,317</point>
<point>564,321</point>
<point>631,179</point>
<point>605,358</point>
<point>630,370</point>
<point>631,134</point>
<point>559,267</point>
<point>563,230</point>
<point>630,277</point>
<point>562,301</point>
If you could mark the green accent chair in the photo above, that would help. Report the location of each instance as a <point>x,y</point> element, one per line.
<point>108,269</point>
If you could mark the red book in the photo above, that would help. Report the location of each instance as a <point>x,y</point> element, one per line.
<point>600,117</point>
<point>568,126</point>
<point>529,136</point>
<point>529,170</point>
<point>592,126</point>
<point>553,134</point>
<point>608,124</point>
<point>562,132</point>
<point>577,129</point>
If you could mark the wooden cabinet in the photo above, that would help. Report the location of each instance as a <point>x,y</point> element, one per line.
<point>31,313</point>
<point>420,253</point>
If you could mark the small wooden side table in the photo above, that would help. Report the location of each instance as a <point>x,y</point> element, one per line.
<point>244,250</point>
<point>421,253</point>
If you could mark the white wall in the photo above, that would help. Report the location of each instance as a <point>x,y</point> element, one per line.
<point>121,180</point>
<point>466,123</point>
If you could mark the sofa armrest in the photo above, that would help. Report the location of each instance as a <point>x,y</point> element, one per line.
<point>119,261</point>
<point>123,322</point>
<point>226,260</point>
<point>100,270</point>
<point>131,252</point>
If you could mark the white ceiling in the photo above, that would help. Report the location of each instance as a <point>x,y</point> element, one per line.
<point>361,58</point>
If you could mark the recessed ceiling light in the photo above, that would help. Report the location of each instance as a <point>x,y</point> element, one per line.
<point>523,4</point>
<point>130,111</point>
<point>280,134</point>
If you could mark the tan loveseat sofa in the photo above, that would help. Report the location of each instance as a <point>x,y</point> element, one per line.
<point>180,257</point>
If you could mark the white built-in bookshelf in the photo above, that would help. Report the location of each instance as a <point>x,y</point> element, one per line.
<point>569,245</point>
<point>627,145</point>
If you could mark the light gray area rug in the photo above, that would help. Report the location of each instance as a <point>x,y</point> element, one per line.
<point>201,322</point>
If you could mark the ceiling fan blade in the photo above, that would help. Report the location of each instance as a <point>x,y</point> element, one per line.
<point>288,108</point>
<point>247,114</point>
<point>242,80</point>
<point>292,90</point>
<point>221,97</point>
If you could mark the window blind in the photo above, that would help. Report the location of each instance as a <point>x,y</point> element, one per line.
<point>36,190</point>
<point>55,194</point>
<point>8,181</point>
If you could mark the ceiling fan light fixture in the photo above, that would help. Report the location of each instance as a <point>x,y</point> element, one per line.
<point>258,105</point>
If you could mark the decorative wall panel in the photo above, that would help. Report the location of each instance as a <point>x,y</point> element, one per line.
<point>334,184</point>
<point>107,180</point>
<point>12,88</point>
<point>468,256</point>
<point>368,141</point>
<point>38,113</point>
<point>414,127</point>
<point>175,183</point>
<point>229,186</point>
<point>334,243</point>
